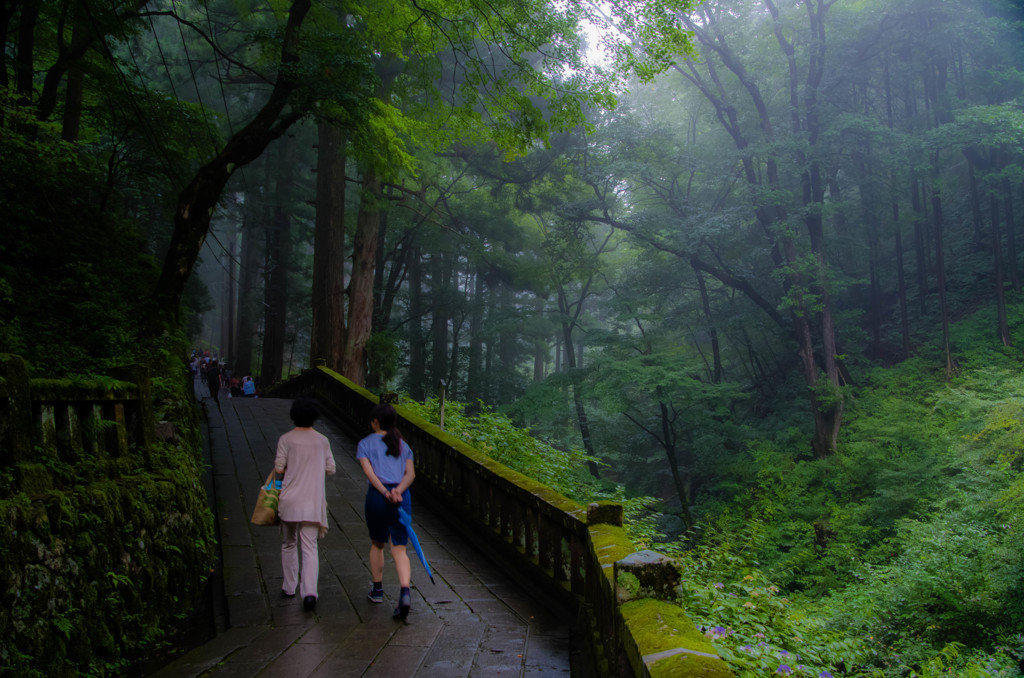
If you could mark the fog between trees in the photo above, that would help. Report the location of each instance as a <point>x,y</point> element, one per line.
<point>714,240</point>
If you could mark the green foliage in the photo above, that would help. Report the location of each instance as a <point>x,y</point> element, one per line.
<point>954,661</point>
<point>752,623</point>
<point>495,435</point>
<point>382,352</point>
<point>905,545</point>
<point>647,37</point>
<point>73,276</point>
<point>98,567</point>
<point>104,556</point>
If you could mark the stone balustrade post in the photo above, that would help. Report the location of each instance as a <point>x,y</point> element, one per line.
<point>142,422</point>
<point>604,513</point>
<point>646,574</point>
<point>15,409</point>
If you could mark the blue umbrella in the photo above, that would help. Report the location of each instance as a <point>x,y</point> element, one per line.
<point>406,519</point>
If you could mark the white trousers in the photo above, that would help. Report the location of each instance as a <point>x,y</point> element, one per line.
<point>296,536</point>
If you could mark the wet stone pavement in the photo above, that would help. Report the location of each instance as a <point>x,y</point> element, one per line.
<point>475,621</point>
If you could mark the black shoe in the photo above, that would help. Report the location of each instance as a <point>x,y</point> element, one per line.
<point>309,603</point>
<point>404,603</point>
<point>287,595</point>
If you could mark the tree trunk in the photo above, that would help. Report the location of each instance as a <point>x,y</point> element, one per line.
<point>508,340</point>
<point>474,367</point>
<point>875,302</point>
<point>327,338</point>
<point>7,12</point>
<point>439,315</point>
<point>900,269</point>
<point>1003,326</point>
<point>901,282</point>
<point>72,120</point>
<point>381,314</point>
<point>364,259</point>
<point>275,296</point>
<point>921,255</point>
<point>489,390</point>
<point>278,260</point>
<point>577,396</point>
<point>391,273</point>
<point>197,202</point>
<point>829,409</point>
<point>558,353</point>
<point>228,314</point>
<point>940,270</point>
<point>681,473</point>
<point>1011,235</point>
<point>417,355</point>
<point>540,347</point>
<point>24,67</point>
<point>976,220</point>
<point>716,351</point>
<point>249,297</point>
<point>454,387</point>
<point>827,412</point>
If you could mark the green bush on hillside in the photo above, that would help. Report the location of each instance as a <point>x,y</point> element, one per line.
<point>910,538</point>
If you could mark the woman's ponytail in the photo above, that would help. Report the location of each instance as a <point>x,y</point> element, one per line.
<point>387,419</point>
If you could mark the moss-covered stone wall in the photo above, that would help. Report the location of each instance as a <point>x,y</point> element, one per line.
<point>101,554</point>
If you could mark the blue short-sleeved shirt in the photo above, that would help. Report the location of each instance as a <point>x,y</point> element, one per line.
<point>389,469</point>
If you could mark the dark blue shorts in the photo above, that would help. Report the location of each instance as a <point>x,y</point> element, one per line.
<point>382,517</point>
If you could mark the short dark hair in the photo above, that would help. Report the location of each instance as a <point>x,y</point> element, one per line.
<point>304,412</point>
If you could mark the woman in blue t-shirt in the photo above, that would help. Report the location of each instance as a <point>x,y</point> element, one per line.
<point>387,462</point>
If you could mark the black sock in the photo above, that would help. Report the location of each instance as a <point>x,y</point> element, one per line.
<point>378,586</point>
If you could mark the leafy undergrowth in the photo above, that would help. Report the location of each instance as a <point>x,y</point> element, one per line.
<point>902,555</point>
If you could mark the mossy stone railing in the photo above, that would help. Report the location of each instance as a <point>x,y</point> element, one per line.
<point>72,417</point>
<point>108,534</point>
<point>580,554</point>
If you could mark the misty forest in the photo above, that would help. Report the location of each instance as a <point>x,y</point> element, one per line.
<point>748,267</point>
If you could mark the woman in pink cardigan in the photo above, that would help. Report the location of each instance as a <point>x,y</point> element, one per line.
<point>304,458</point>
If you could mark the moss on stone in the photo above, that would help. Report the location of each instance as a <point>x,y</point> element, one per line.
<point>661,627</point>
<point>33,479</point>
<point>605,511</point>
<point>685,665</point>
<point>101,556</point>
<point>629,582</point>
<point>611,543</point>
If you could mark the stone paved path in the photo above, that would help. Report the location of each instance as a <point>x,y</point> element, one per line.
<point>475,621</point>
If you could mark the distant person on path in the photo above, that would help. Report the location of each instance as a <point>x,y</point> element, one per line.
<point>304,458</point>
<point>387,462</point>
<point>213,379</point>
<point>248,387</point>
